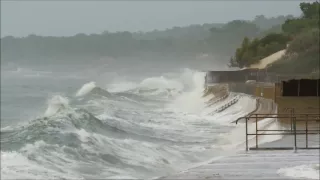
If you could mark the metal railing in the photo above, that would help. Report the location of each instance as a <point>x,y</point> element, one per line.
<point>305,120</point>
<point>227,105</point>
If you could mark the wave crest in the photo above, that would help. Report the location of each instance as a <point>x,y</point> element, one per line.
<point>85,89</point>
<point>91,88</point>
<point>56,104</point>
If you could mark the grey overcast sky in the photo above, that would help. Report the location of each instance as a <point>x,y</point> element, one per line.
<point>65,18</point>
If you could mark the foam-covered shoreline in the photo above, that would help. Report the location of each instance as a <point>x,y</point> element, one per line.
<point>157,125</point>
<point>287,170</point>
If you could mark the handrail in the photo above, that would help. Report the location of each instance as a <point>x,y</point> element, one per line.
<point>314,117</point>
<point>257,107</point>
<point>227,105</point>
<point>239,119</point>
<point>288,114</point>
<point>317,116</point>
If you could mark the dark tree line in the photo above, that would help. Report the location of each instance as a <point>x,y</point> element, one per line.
<point>220,39</point>
<point>302,36</point>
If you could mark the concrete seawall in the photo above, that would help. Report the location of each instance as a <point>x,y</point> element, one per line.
<point>242,88</point>
<point>238,164</point>
<point>219,92</point>
<point>222,91</point>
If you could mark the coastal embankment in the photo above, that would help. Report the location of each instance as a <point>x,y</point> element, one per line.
<point>238,164</point>
<point>227,91</point>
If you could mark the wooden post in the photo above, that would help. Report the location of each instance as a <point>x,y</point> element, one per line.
<point>318,87</point>
<point>299,87</point>
<point>295,133</point>
<point>256,131</point>
<point>307,131</point>
<point>275,92</point>
<point>281,88</point>
<point>246,134</point>
<point>292,114</point>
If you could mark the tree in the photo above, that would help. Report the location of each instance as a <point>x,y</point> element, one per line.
<point>245,43</point>
<point>310,19</point>
<point>306,41</point>
<point>251,52</point>
<point>275,37</point>
<point>310,10</point>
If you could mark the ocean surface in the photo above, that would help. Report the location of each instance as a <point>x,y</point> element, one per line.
<point>100,122</point>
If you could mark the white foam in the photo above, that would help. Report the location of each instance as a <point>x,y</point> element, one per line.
<point>271,125</point>
<point>139,153</point>
<point>55,104</point>
<point>161,83</point>
<point>15,165</point>
<point>170,84</point>
<point>242,107</point>
<point>121,86</point>
<point>191,101</point>
<point>302,171</point>
<point>6,129</point>
<point>237,137</point>
<point>85,89</point>
<point>121,177</point>
<point>186,110</point>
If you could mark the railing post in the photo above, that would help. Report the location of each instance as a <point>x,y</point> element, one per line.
<point>298,87</point>
<point>291,120</point>
<point>295,134</point>
<point>256,130</point>
<point>275,93</point>
<point>318,87</point>
<point>318,120</point>
<point>307,131</point>
<point>246,134</point>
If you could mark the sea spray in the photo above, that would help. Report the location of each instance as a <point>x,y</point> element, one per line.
<point>113,137</point>
<point>85,89</point>
<point>55,104</point>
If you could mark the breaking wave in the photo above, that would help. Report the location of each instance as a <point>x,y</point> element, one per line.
<point>141,130</point>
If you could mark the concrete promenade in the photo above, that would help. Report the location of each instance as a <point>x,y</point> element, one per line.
<point>254,164</point>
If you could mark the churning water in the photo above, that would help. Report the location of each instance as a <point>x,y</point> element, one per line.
<point>73,125</point>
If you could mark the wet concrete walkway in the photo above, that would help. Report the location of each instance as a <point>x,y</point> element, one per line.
<point>255,164</point>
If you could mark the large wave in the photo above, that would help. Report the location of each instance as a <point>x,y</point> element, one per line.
<point>92,88</point>
<point>147,128</point>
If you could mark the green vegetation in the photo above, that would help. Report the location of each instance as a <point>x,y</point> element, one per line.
<point>302,35</point>
<point>220,39</point>
<point>251,52</point>
<point>302,55</point>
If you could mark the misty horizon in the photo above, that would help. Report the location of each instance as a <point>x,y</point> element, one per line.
<point>21,19</point>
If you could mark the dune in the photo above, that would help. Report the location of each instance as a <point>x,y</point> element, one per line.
<point>263,63</point>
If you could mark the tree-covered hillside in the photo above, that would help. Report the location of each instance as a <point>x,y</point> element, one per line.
<point>220,39</point>
<point>302,36</point>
